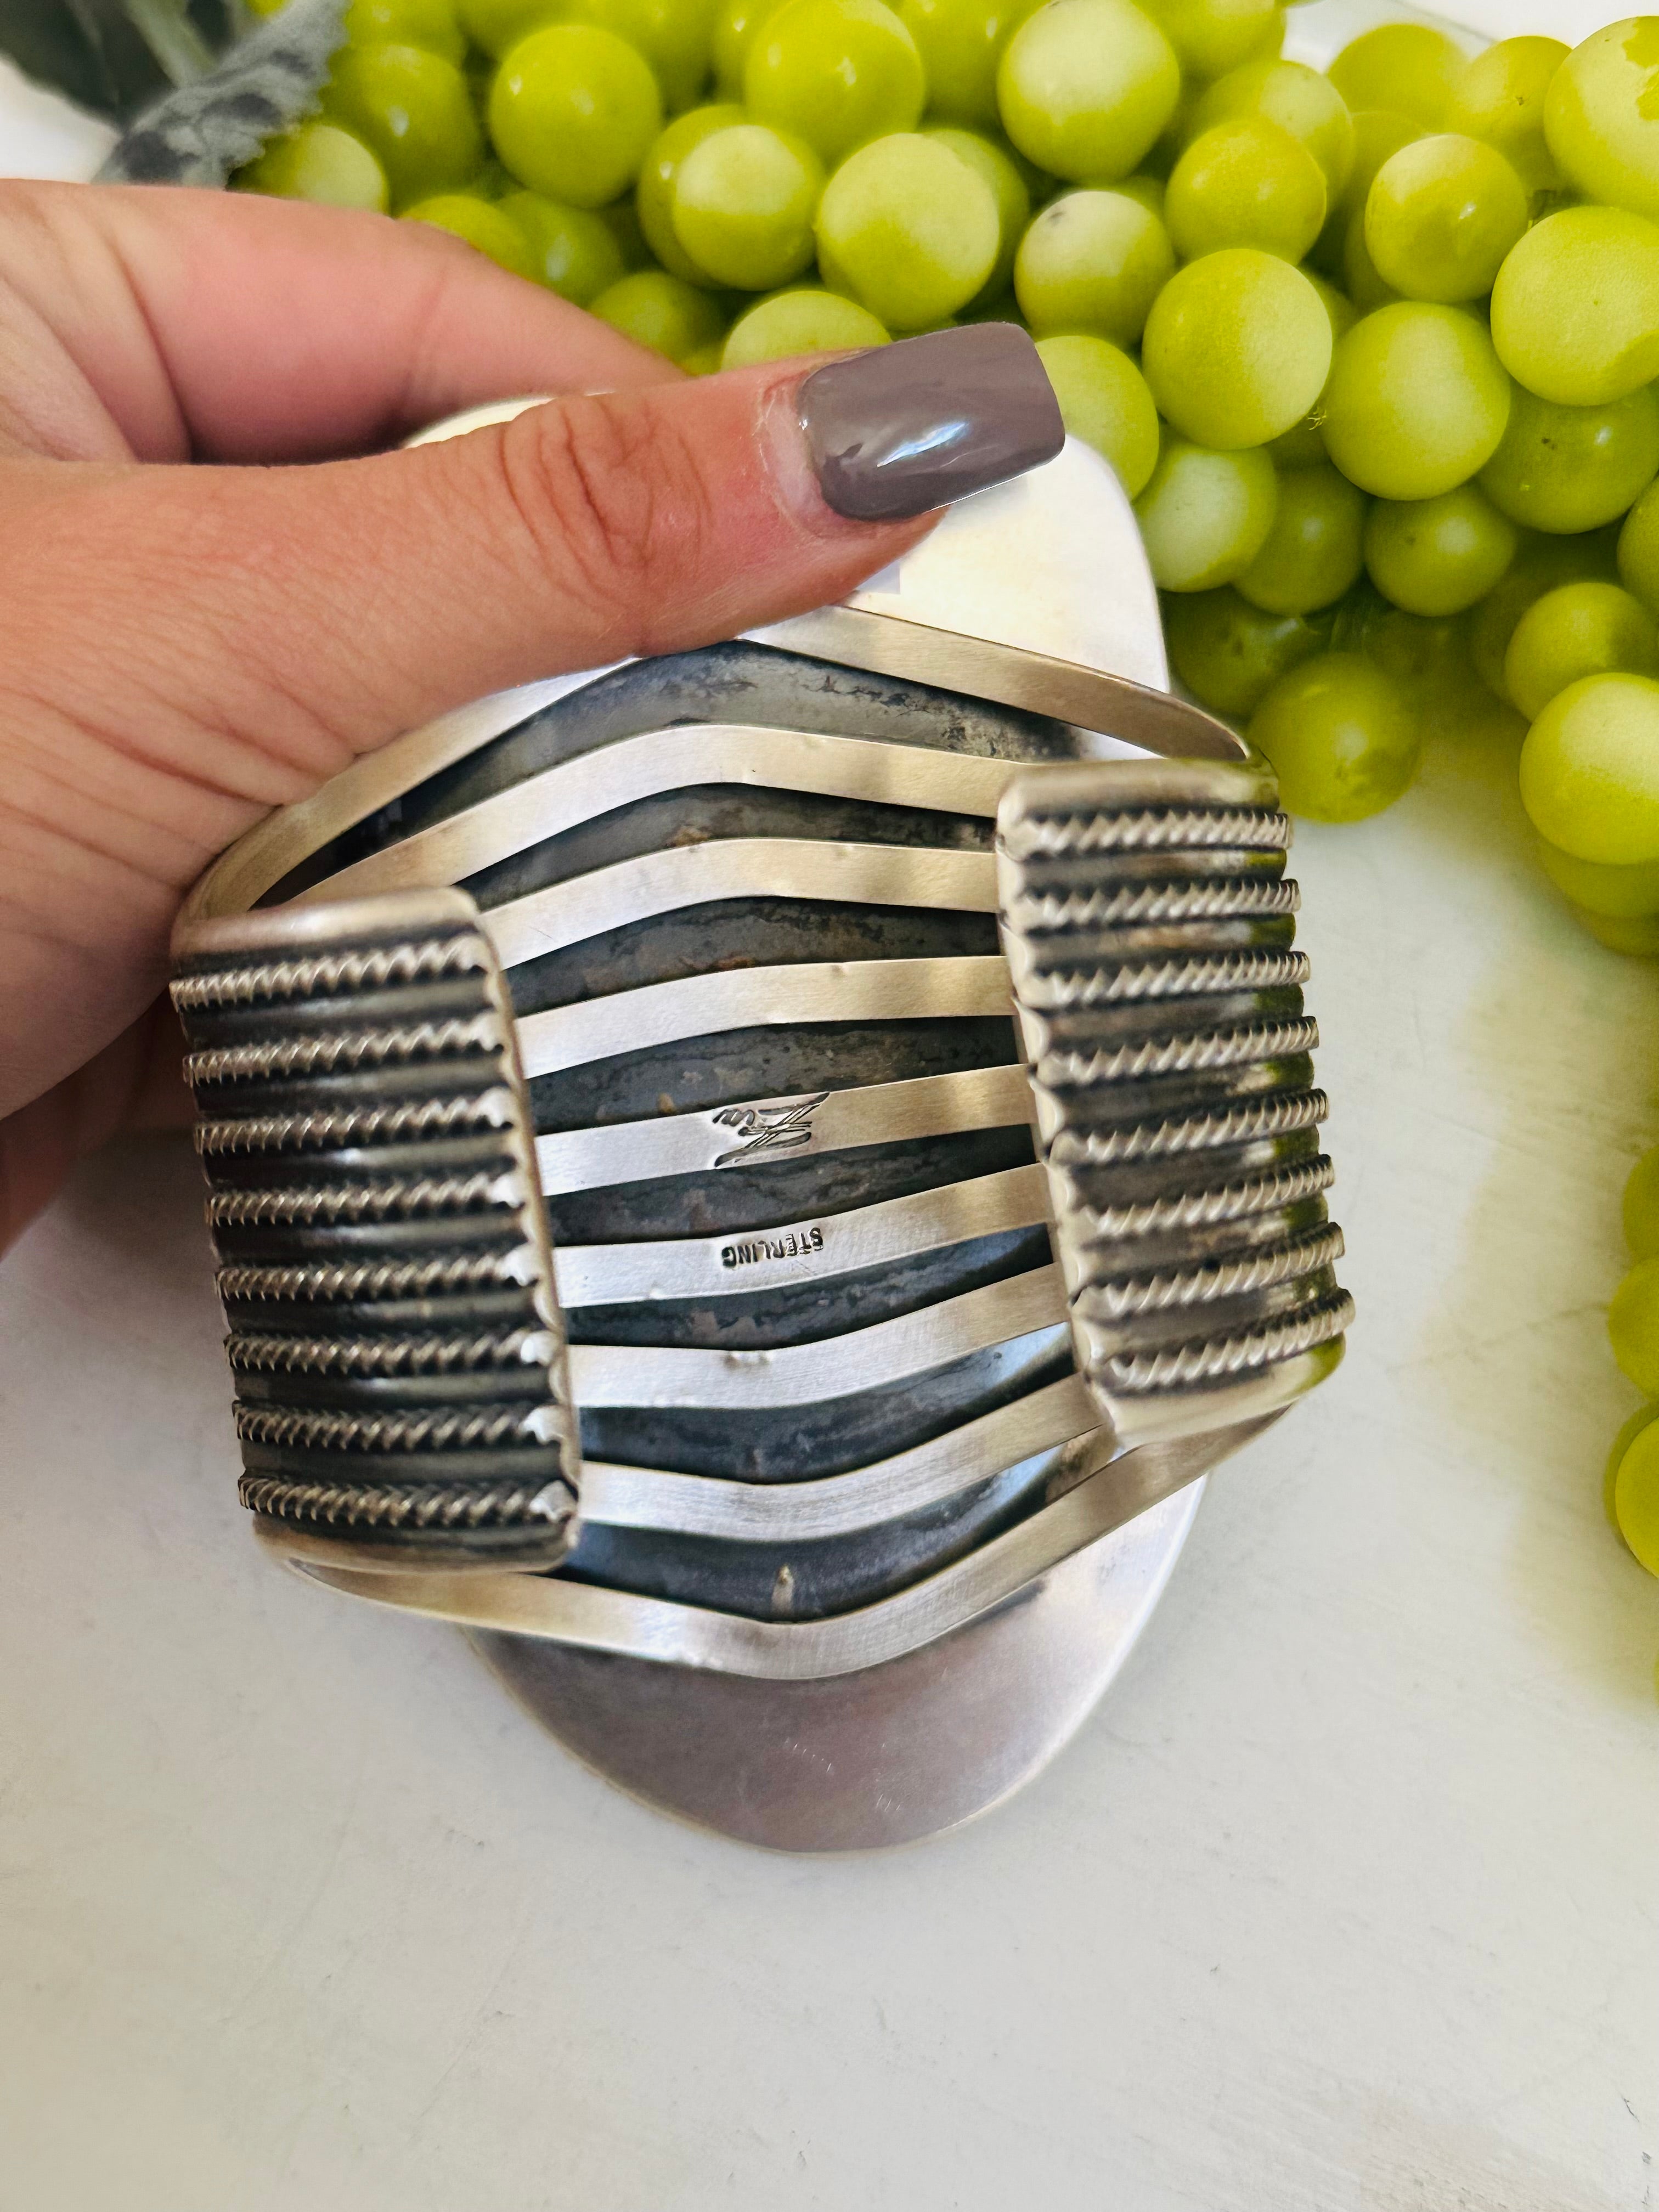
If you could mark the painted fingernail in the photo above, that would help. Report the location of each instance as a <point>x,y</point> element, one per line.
<point>915,425</point>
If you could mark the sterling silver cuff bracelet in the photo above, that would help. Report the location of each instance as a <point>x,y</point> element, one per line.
<point>757,1182</point>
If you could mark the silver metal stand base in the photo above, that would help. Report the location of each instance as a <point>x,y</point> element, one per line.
<point>867,1761</point>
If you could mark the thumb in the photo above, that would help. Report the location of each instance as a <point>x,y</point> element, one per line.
<point>292,618</point>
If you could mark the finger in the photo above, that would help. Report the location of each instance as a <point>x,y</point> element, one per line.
<point>311,614</point>
<point>226,326</point>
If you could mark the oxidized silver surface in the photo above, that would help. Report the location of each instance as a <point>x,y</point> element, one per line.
<point>915,1081</point>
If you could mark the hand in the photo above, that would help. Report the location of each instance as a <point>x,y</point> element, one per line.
<point>183,648</point>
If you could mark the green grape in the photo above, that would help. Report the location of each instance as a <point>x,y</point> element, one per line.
<point>572,251</point>
<point>1441,215</point>
<point>1424,654</point>
<point>1602,119</point>
<point>574,111</point>
<point>1621,1443</point>
<point>1366,286</point>
<point>1342,736</point>
<point>1312,553</point>
<point>1147,191</point>
<point>622,220</point>
<point>1092,262</point>
<point>1103,400</point>
<point>1246,182</point>
<point>1436,557</point>
<point>1211,37</point>
<point>1617,894</point>
<point>1637,936</point>
<point>744,202</point>
<point>1085,86</point>
<point>319,161</point>
<point>1635,1491</point>
<point>806,320</point>
<point>1228,654</point>
<point>1236,348</point>
<point>495,25</point>
<point>1008,189</point>
<point>1576,630</point>
<point>1633,1332</point>
<point>1499,97</point>
<point>1639,550</point>
<point>705,360</point>
<point>961,43</point>
<point>653,196</point>
<point>1377,133</point>
<point>1205,516</point>
<point>490,230</point>
<point>907,229</point>
<point>413,111</point>
<point>674,37</point>
<point>1571,468</point>
<point>1295,97</point>
<point>1542,564</point>
<point>837,73</point>
<point>735,23</point>
<point>1299,447</point>
<point>1589,770</point>
<point>662,312</point>
<point>428,23</point>
<point>1406,67</point>
<point>1575,310</point>
<point>1641,1205</point>
<point>1338,306</point>
<point>1417,401</point>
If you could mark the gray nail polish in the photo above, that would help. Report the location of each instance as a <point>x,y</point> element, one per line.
<point>903,427</point>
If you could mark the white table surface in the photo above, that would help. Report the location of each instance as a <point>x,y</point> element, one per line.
<point>1344,1901</point>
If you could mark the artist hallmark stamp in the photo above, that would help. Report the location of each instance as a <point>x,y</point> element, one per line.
<point>780,1128</point>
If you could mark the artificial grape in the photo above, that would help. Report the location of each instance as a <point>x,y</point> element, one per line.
<point>806,320</point>
<point>1205,515</point>
<point>653,196</point>
<point>1575,310</point>
<point>1621,1443</point>
<point>1229,654</point>
<point>1417,401</point>
<point>1377,133</point>
<point>1366,286</point>
<point>319,161</point>
<point>1601,121</point>
<point>1342,736</point>
<point>428,23</point>
<point>1542,564</point>
<point>1092,262</point>
<point>1589,770</point>
<point>1576,630</point>
<point>1103,400</point>
<point>736,22</point>
<point>674,37</point>
<point>573,112</point>
<point>1616,894</point>
<point>1436,557</point>
<point>1085,86</point>
<point>1236,348</point>
<point>490,230</point>
<point>1572,468</point>
<point>1633,1331</point>
<point>1246,182</point>
<point>744,202</point>
<point>412,110</point>
<point>837,73</point>
<point>1008,189</point>
<point>907,229</point>
<point>1636,1496</point>
<point>1211,37</point>
<point>1312,554</point>
<point>662,312</point>
<point>1295,97</point>
<point>1440,217</point>
<point>1641,1207</point>
<point>961,43</point>
<point>1408,67</point>
<point>572,251</point>
<point>1499,97</point>
<point>495,25</point>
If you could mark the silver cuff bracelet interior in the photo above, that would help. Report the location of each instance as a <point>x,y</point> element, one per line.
<point>757,1182</point>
